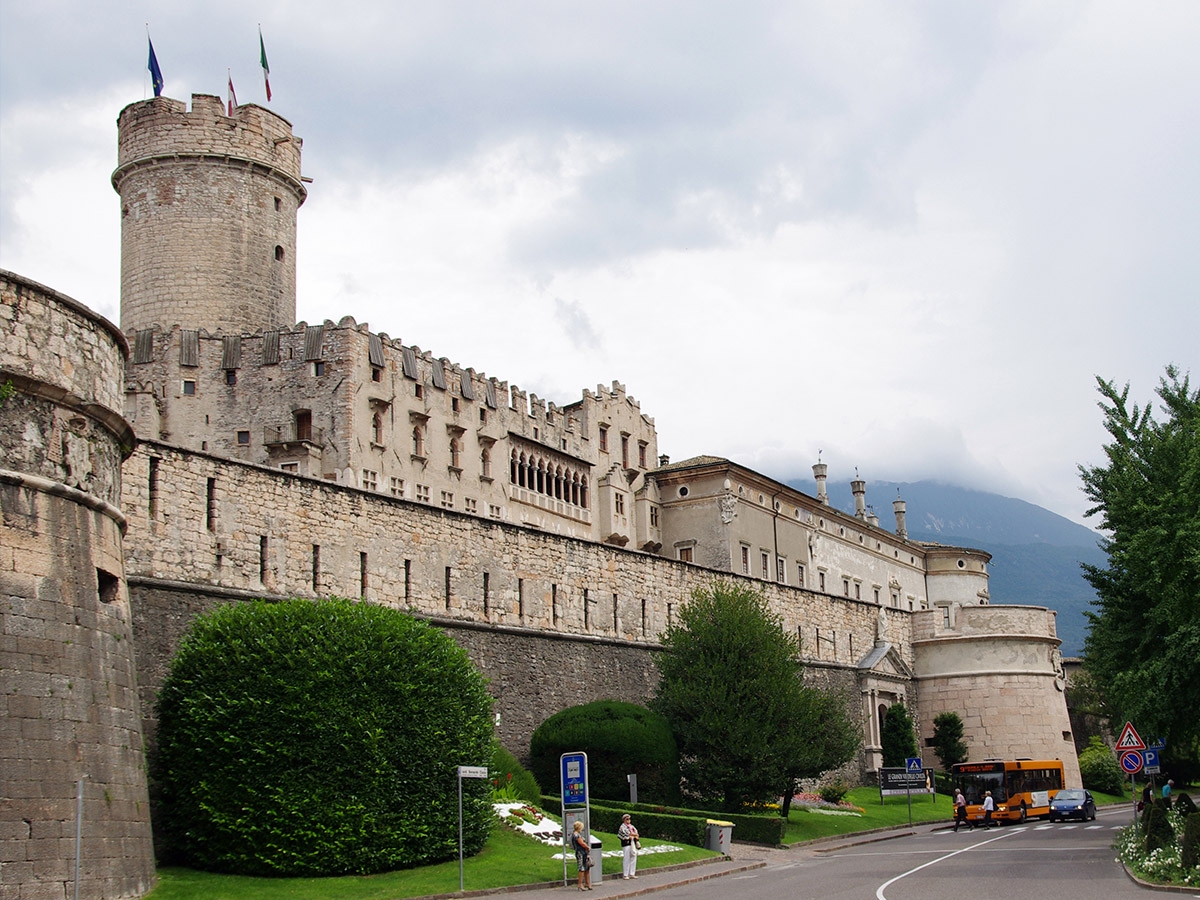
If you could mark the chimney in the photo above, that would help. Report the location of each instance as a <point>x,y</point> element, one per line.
<point>872,519</point>
<point>859,487</point>
<point>664,460</point>
<point>900,506</point>
<point>819,472</point>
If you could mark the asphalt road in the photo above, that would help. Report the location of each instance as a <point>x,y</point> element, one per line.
<point>1064,861</point>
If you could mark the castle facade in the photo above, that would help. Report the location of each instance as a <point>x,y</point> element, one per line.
<point>555,543</point>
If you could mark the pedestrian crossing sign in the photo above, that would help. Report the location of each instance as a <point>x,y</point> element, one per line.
<point>913,764</point>
<point>1130,739</point>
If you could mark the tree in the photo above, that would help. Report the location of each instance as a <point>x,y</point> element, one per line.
<point>1143,648</point>
<point>825,735</point>
<point>303,738</point>
<point>731,688</point>
<point>947,739</point>
<point>897,737</point>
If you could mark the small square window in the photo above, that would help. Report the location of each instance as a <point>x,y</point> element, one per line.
<point>397,487</point>
<point>493,510</point>
<point>422,493</point>
<point>471,505</point>
<point>376,374</point>
<point>231,376</point>
<point>447,500</point>
<point>483,417</point>
<point>420,390</point>
<point>189,388</point>
<point>243,438</point>
<point>319,367</point>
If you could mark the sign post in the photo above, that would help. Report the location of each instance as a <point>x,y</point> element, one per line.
<point>465,772</point>
<point>912,766</point>
<point>576,802</point>
<point>1129,746</point>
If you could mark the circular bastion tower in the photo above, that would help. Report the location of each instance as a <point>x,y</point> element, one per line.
<point>208,216</point>
<point>71,760</point>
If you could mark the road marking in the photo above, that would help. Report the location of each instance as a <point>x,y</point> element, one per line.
<point>879,895</point>
<point>1093,827</point>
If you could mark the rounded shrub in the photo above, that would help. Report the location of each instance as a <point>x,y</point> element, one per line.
<point>620,739</point>
<point>511,780</point>
<point>319,738</point>
<point>1190,845</point>
<point>1159,833</point>
<point>1099,769</point>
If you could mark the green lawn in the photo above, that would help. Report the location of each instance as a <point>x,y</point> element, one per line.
<point>508,859</point>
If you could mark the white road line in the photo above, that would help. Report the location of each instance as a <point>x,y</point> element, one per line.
<point>879,895</point>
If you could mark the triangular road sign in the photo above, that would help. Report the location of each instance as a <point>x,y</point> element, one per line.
<point>1130,739</point>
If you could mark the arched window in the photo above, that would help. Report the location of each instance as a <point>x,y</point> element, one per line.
<point>418,441</point>
<point>377,427</point>
<point>455,453</point>
<point>485,462</point>
<point>583,492</point>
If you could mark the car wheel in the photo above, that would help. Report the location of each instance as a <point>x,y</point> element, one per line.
<point>1093,814</point>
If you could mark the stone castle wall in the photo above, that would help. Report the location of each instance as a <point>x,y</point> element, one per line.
<point>208,215</point>
<point>69,706</point>
<point>202,527</point>
<point>999,668</point>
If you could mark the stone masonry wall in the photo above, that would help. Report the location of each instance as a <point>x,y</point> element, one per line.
<point>69,703</point>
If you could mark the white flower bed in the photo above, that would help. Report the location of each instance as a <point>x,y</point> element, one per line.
<point>549,832</point>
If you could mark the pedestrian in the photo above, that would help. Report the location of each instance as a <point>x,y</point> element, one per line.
<point>1167,790</point>
<point>583,857</point>
<point>960,809</point>
<point>988,806</point>
<point>630,845</point>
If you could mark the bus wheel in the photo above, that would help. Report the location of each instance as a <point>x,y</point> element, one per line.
<point>1024,812</point>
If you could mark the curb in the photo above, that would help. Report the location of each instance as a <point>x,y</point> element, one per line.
<point>1168,888</point>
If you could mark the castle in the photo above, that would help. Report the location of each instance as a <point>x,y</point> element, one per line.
<point>275,458</point>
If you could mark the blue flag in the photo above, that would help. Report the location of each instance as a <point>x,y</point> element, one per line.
<point>155,71</point>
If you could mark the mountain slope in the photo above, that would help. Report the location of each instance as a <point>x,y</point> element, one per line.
<point>1036,554</point>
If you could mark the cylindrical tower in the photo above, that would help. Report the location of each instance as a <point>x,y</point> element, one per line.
<point>71,761</point>
<point>208,216</point>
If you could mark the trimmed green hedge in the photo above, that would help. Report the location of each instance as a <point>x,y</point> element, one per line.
<point>1190,844</point>
<point>687,826</point>
<point>319,738</point>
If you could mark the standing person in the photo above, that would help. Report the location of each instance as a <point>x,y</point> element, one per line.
<point>1167,790</point>
<point>960,809</point>
<point>583,857</point>
<point>630,845</point>
<point>988,806</point>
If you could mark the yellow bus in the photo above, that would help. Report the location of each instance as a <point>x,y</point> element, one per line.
<point>1020,787</point>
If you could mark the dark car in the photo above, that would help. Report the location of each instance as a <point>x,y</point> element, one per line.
<point>1072,804</point>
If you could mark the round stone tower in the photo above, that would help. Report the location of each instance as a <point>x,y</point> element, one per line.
<point>208,216</point>
<point>71,759</point>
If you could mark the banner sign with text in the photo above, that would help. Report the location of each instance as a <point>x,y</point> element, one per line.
<point>899,781</point>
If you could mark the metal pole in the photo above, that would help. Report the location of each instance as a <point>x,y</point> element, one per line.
<point>78,831</point>
<point>460,832</point>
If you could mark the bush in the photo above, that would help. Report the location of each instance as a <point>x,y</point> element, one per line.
<point>512,781</point>
<point>303,738</point>
<point>834,792</point>
<point>1100,770</point>
<point>1191,841</point>
<point>619,739</point>
<point>1185,805</point>
<point>1158,828</point>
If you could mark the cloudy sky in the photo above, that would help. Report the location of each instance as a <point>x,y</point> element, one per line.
<point>907,236</point>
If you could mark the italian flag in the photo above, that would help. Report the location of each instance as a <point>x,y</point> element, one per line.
<point>262,48</point>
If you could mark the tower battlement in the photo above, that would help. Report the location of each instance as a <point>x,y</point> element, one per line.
<point>208,215</point>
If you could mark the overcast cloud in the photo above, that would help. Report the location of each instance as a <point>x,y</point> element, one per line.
<point>908,235</point>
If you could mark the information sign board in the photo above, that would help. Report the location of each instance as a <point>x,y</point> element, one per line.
<point>895,782</point>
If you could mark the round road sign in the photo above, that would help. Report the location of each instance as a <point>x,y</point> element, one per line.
<point>1131,761</point>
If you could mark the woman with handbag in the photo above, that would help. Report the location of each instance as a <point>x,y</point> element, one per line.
<point>630,845</point>
<point>583,857</point>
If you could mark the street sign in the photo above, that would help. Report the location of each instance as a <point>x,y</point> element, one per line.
<point>1131,761</point>
<point>913,764</point>
<point>1150,764</point>
<point>472,772</point>
<point>1130,739</point>
<point>573,769</point>
<point>1158,743</point>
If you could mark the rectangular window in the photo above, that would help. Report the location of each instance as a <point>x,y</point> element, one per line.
<point>470,504</point>
<point>262,559</point>
<point>370,480</point>
<point>845,587</point>
<point>231,376</point>
<point>586,611</point>
<point>376,374</point>
<point>493,510</point>
<point>487,593</point>
<point>318,367</point>
<point>685,554</point>
<point>453,404</point>
<point>876,595</point>
<point>210,504</point>
<point>654,517</point>
<point>521,597</point>
<point>154,461</point>
<point>482,416</point>
<point>857,591</point>
<point>643,618</point>
<point>781,571</point>
<point>447,587</point>
<point>294,468</point>
<point>422,493</point>
<point>800,575</point>
<point>554,603</point>
<point>243,438</point>
<point>745,560</point>
<point>419,391</point>
<point>189,388</point>
<point>316,567</point>
<point>604,438</point>
<point>619,503</point>
<point>625,451</point>
<point>407,580</point>
<point>821,581</point>
<point>447,500</point>
<point>766,566</point>
<point>397,486</point>
<point>616,615</point>
<point>642,454</point>
<point>362,574</point>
